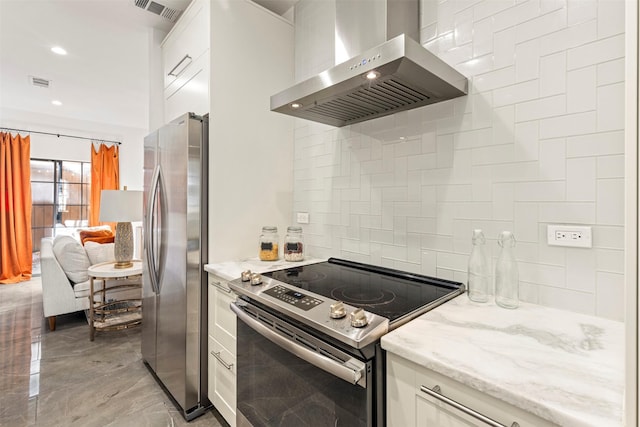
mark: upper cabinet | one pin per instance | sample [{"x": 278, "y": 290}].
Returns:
[{"x": 185, "y": 60}]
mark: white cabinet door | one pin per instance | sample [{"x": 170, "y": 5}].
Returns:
[
  {"x": 190, "y": 91},
  {"x": 189, "y": 38},
  {"x": 185, "y": 56}
]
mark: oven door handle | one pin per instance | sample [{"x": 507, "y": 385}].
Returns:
[{"x": 352, "y": 371}]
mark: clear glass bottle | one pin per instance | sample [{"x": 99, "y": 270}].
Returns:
[
  {"x": 269, "y": 243},
  {"x": 478, "y": 269},
  {"x": 293, "y": 244},
  {"x": 507, "y": 279}
]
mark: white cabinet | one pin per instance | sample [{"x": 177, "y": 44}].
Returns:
[
  {"x": 222, "y": 349},
  {"x": 409, "y": 405},
  {"x": 189, "y": 91},
  {"x": 185, "y": 59}
]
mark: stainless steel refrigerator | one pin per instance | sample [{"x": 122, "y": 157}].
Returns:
[{"x": 174, "y": 296}]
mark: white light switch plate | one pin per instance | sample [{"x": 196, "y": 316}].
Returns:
[
  {"x": 576, "y": 236},
  {"x": 303, "y": 218}
]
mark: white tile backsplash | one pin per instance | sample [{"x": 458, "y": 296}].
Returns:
[
  {"x": 596, "y": 144},
  {"x": 527, "y": 60},
  {"x": 581, "y": 90},
  {"x": 569, "y": 37},
  {"x": 598, "y": 51},
  {"x": 611, "y": 72},
  {"x": 610, "y": 18},
  {"x": 610, "y": 295},
  {"x": 552, "y": 161},
  {"x": 541, "y": 191},
  {"x": 553, "y": 74},
  {"x": 581, "y": 179},
  {"x": 539, "y": 140},
  {"x": 581, "y": 10},
  {"x": 541, "y": 108},
  {"x": 610, "y": 166},
  {"x": 610, "y": 114},
  {"x": 568, "y": 125},
  {"x": 581, "y": 269},
  {"x": 610, "y": 195},
  {"x": 608, "y": 288}
]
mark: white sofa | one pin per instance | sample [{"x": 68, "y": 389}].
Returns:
[{"x": 64, "y": 291}]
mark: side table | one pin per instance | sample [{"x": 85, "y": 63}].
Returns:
[{"x": 114, "y": 314}]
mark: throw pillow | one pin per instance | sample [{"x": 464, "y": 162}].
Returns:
[
  {"x": 72, "y": 258},
  {"x": 98, "y": 253},
  {"x": 99, "y": 236}
]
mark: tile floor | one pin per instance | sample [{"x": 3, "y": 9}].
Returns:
[{"x": 62, "y": 379}]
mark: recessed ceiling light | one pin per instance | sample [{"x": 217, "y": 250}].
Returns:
[
  {"x": 296, "y": 105},
  {"x": 58, "y": 50},
  {"x": 56, "y": 102}
]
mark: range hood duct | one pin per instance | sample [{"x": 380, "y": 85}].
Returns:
[{"x": 407, "y": 75}]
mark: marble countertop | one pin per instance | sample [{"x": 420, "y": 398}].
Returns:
[
  {"x": 230, "y": 270},
  {"x": 564, "y": 367}
]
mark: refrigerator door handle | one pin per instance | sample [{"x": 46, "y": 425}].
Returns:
[
  {"x": 151, "y": 232},
  {"x": 148, "y": 232}
]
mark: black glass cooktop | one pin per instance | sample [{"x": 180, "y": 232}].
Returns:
[{"x": 386, "y": 292}]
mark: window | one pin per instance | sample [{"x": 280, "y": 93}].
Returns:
[{"x": 60, "y": 197}]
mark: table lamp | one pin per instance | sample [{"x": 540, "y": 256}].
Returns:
[{"x": 121, "y": 207}]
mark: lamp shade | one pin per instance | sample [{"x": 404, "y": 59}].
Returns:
[{"x": 120, "y": 206}]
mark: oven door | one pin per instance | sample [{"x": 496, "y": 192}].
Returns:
[{"x": 287, "y": 377}]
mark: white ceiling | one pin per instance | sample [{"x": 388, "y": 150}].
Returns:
[{"x": 104, "y": 76}]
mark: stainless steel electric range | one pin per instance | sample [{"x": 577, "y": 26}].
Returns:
[{"x": 308, "y": 340}]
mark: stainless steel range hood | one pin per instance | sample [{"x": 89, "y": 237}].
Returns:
[{"x": 397, "y": 75}]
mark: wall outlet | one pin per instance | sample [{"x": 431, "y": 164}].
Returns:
[
  {"x": 303, "y": 218},
  {"x": 569, "y": 235}
]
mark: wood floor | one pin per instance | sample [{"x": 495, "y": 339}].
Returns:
[{"x": 62, "y": 379}]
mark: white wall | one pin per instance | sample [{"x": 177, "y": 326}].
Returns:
[{"x": 538, "y": 140}]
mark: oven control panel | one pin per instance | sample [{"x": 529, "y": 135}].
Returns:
[{"x": 295, "y": 298}]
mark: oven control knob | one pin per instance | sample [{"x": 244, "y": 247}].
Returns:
[
  {"x": 359, "y": 318},
  {"x": 256, "y": 279},
  {"x": 337, "y": 310},
  {"x": 245, "y": 276}
]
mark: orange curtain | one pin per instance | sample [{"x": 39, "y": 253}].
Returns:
[
  {"x": 105, "y": 175},
  {"x": 15, "y": 208}
]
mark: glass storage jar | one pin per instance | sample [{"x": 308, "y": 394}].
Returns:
[
  {"x": 507, "y": 277},
  {"x": 269, "y": 243},
  {"x": 293, "y": 244}
]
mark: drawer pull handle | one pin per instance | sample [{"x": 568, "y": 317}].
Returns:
[
  {"x": 217, "y": 355},
  {"x": 436, "y": 393},
  {"x": 221, "y": 287},
  {"x": 172, "y": 73}
]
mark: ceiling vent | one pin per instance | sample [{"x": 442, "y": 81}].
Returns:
[
  {"x": 159, "y": 9},
  {"x": 39, "y": 82}
]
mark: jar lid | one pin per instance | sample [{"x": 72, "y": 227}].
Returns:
[
  {"x": 294, "y": 229},
  {"x": 269, "y": 228}
]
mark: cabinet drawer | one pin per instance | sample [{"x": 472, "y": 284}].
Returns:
[
  {"x": 439, "y": 413},
  {"x": 222, "y": 381},
  {"x": 222, "y": 321},
  {"x": 409, "y": 405},
  {"x": 188, "y": 38}
]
